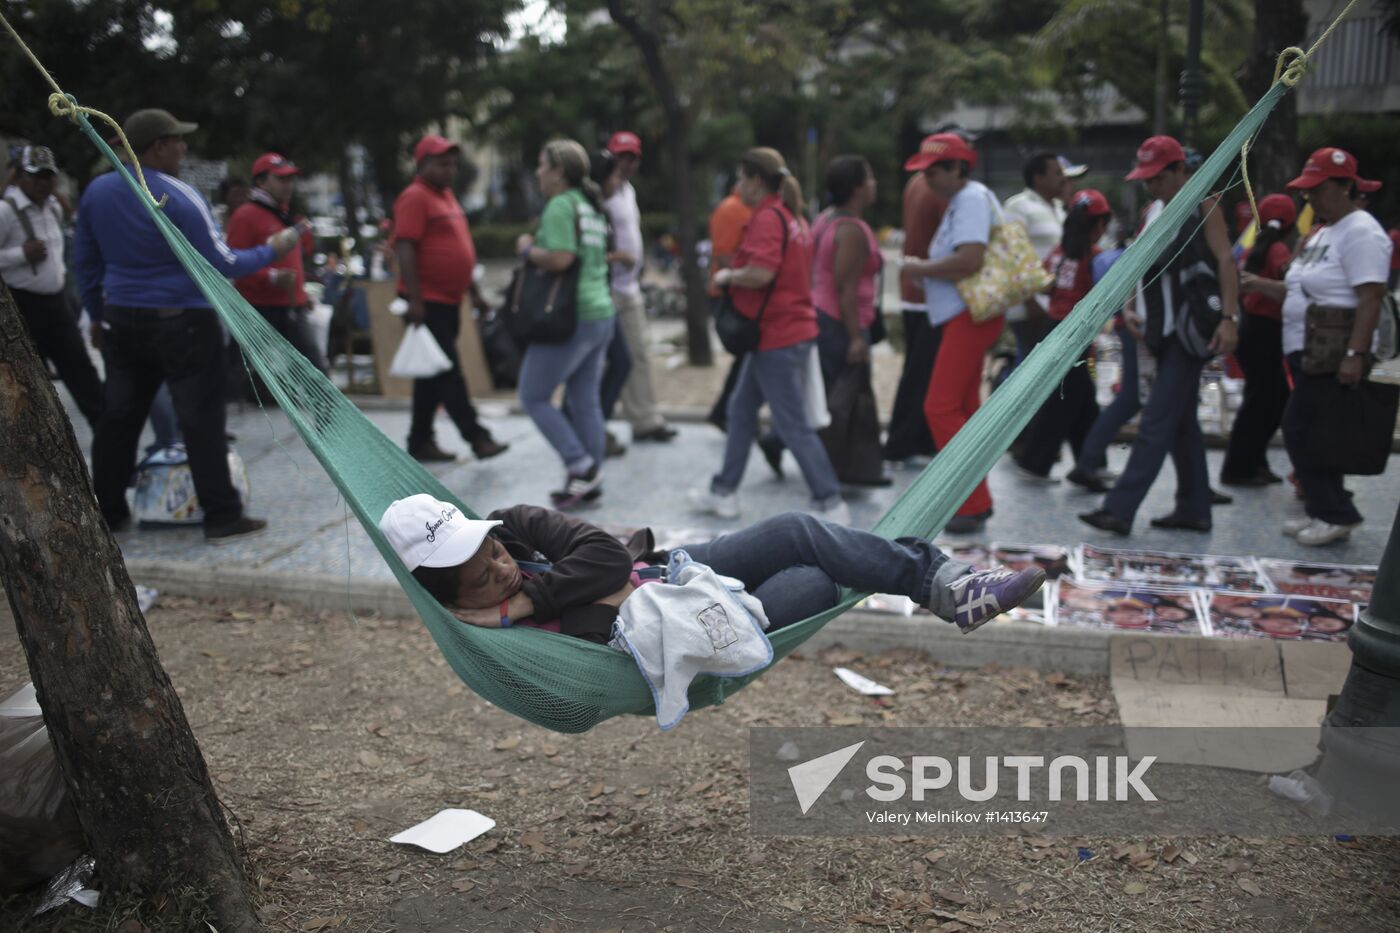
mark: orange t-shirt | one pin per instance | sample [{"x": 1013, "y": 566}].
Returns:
[{"x": 726, "y": 231}]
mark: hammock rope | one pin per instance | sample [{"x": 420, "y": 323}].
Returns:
[{"x": 564, "y": 683}]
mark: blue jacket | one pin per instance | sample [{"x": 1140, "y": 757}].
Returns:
[{"x": 121, "y": 258}]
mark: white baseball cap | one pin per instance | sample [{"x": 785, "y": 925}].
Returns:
[{"x": 427, "y": 532}]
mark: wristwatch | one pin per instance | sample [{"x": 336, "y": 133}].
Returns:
[{"x": 1353, "y": 352}]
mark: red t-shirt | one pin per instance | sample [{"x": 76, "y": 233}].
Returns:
[
  {"x": 1073, "y": 279},
  {"x": 1395, "y": 249},
  {"x": 788, "y": 318},
  {"x": 249, "y": 226},
  {"x": 923, "y": 212},
  {"x": 1254, "y": 303},
  {"x": 432, "y": 218}
]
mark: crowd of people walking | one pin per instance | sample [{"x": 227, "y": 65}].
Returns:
[{"x": 1299, "y": 315}]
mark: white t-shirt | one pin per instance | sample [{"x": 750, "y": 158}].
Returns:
[
  {"x": 1044, "y": 220},
  {"x": 1332, "y": 263},
  {"x": 626, "y": 220},
  {"x": 969, "y": 218}
]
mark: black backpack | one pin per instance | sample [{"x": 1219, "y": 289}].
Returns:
[{"x": 1190, "y": 267}]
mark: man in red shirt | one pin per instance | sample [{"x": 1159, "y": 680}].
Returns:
[
  {"x": 909, "y": 434},
  {"x": 276, "y": 291},
  {"x": 436, "y": 258}
]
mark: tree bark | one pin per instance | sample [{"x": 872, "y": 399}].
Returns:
[
  {"x": 133, "y": 769},
  {"x": 648, "y": 42},
  {"x": 1273, "y": 157}
]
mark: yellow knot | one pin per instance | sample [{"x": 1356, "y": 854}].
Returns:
[
  {"x": 61, "y": 105},
  {"x": 1291, "y": 65}
]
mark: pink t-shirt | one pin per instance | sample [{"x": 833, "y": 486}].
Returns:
[{"x": 824, "y": 268}]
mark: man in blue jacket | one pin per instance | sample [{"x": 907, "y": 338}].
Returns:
[{"x": 156, "y": 326}]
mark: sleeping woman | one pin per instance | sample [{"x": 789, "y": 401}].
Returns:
[{"x": 536, "y": 566}]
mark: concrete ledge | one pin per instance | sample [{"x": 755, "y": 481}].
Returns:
[{"x": 1018, "y": 644}]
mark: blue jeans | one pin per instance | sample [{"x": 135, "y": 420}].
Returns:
[
  {"x": 795, "y": 564},
  {"x": 1169, "y": 425},
  {"x": 577, "y": 364},
  {"x": 1093, "y": 454},
  {"x": 775, "y": 377}
]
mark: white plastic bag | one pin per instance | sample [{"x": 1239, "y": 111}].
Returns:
[
  {"x": 419, "y": 356},
  {"x": 814, "y": 392},
  {"x": 39, "y": 831}
]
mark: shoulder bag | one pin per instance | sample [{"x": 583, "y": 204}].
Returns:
[
  {"x": 739, "y": 333},
  {"x": 1011, "y": 272},
  {"x": 543, "y": 305}
]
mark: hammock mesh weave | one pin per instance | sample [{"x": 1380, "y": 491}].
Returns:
[{"x": 567, "y": 684}]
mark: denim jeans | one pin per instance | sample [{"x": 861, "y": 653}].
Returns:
[
  {"x": 184, "y": 349},
  {"x": 577, "y": 364},
  {"x": 833, "y": 343},
  {"x": 1093, "y": 455},
  {"x": 1169, "y": 425},
  {"x": 795, "y": 564},
  {"x": 775, "y": 377},
  {"x": 617, "y": 371}
]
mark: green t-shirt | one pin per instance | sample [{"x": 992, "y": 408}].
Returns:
[{"x": 557, "y": 233}]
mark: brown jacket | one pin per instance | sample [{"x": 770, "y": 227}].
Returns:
[{"x": 588, "y": 564}]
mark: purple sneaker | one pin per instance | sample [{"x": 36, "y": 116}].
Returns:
[{"x": 982, "y": 595}]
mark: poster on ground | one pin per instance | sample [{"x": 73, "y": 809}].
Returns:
[
  {"x": 1329, "y": 581},
  {"x": 1165, "y": 568},
  {"x": 1117, "y": 607},
  {"x": 1278, "y": 616}
]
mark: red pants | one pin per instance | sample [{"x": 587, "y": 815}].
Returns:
[{"x": 955, "y": 389}]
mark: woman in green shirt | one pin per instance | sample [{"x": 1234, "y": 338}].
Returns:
[{"x": 572, "y": 229}]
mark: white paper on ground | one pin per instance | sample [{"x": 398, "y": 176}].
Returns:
[
  {"x": 446, "y": 830},
  {"x": 87, "y": 897},
  {"x": 146, "y": 598},
  {"x": 862, "y": 684}
]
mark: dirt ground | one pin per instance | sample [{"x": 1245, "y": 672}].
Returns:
[{"x": 326, "y": 736}]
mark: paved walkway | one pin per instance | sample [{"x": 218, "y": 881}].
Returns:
[{"x": 309, "y": 532}]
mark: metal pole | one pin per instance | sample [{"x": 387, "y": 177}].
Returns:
[{"x": 1191, "y": 76}]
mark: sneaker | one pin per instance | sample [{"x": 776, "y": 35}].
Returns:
[
  {"x": 661, "y": 434},
  {"x": 1035, "y": 479},
  {"x": 967, "y": 524},
  {"x": 578, "y": 488},
  {"x": 834, "y": 510},
  {"x": 430, "y": 453},
  {"x": 1091, "y": 482},
  {"x": 1294, "y": 525},
  {"x": 719, "y": 504},
  {"x": 772, "y": 448},
  {"x": 1320, "y": 532},
  {"x": 245, "y": 527},
  {"x": 982, "y": 595},
  {"x": 486, "y": 447}
]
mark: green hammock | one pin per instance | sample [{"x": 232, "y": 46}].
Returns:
[{"x": 567, "y": 684}]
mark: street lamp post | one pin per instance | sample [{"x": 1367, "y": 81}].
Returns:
[{"x": 1191, "y": 75}]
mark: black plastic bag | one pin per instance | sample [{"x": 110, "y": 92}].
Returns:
[
  {"x": 39, "y": 831},
  {"x": 1352, "y": 430},
  {"x": 853, "y": 438},
  {"x": 503, "y": 353}
]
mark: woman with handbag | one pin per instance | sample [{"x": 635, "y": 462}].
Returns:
[
  {"x": 957, "y": 252},
  {"x": 572, "y": 243},
  {"x": 1070, "y": 411},
  {"x": 768, "y": 305},
  {"x": 1331, "y": 304},
  {"x": 1260, "y": 352}
]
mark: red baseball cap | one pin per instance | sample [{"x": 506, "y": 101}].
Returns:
[
  {"x": 941, "y": 147},
  {"x": 1093, "y": 201},
  {"x": 276, "y": 164},
  {"x": 433, "y": 145},
  {"x": 1155, "y": 154},
  {"x": 1331, "y": 162},
  {"x": 625, "y": 141},
  {"x": 1277, "y": 207}
]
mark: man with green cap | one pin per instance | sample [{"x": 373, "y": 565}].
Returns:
[{"x": 156, "y": 324}]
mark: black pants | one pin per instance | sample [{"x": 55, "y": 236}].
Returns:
[
  {"x": 909, "y": 434},
  {"x": 57, "y": 339},
  {"x": 1260, "y": 355},
  {"x": 1067, "y": 415},
  {"x": 448, "y": 389},
  {"x": 292, "y": 325},
  {"x": 1325, "y": 494},
  {"x": 144, "y": 347}
]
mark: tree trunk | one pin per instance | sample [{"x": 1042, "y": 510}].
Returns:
[
  {"x": 135, "y": 773},
  {"x": 648, "y": 42},
  {"x": 1273, "y": 157},
  {"x": 1160, "y": 90}
]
